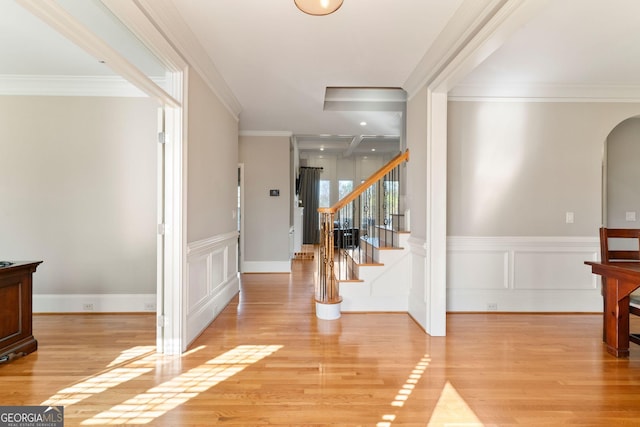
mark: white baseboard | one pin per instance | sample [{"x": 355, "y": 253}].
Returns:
[{"x": 94, "y": 303}]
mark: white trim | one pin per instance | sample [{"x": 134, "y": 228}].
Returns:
[
  {"x": 472, "y": 35},
  {"x": 502, "y": 92},
  {"x": 436, "y": 196},
  {"x": 102, "y": 303},
  {"x": 200, "y": 247},
  {"x": 265, "y": 133},
  {"x": 135, "y": 19},
  {"x": 178, "y": 33},
  {"x": 545, "y": 99},
  {"x": 241, "y": 243},
  {"x": 175, "y": 232},
  {"x": 60, "y": 20},
  {"x": 417, "y": 246},
  {"x": 68, "y": 86},
  {"x": 521, "y": 242},
  {"x": 267, "y": 267}
]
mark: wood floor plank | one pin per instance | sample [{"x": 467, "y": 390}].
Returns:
[{"x": 267, "y": 360}]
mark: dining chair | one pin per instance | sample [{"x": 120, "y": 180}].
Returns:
[{"x": 625, "y": 247}]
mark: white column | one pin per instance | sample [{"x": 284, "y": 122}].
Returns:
[{"x": 436, "y": 215}]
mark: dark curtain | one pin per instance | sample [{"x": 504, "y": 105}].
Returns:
[{"x": 309, "y": 189}]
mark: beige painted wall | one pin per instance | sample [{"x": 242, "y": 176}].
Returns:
[
  {"x": 515, "y": 169},
  {"x": 78, "y": 191},
  {"x": 212, "y": 146},
  {"x": 266, "y": 218}
]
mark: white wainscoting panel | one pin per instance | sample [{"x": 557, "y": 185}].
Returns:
[
  {"x": 417, "y": 296},
  {"x": 482, "y": 270},
  {"x": 198, "y": 269},
  {"x": 561, "y": 270},
  {"x": 532, "y": 274},
  {"x": 212, "y": 280}
]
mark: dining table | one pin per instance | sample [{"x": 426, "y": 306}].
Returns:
[{"x": 621, "y": 279}]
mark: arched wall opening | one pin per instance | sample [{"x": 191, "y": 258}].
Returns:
[{"x": 621, "y": 176}]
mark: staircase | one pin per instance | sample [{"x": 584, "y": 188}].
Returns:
[
  {"x": 379, "y": 283},
  {"x": 364, "y": 257}
]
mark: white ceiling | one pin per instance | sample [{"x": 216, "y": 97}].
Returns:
[{"x": 278, "y": 61}]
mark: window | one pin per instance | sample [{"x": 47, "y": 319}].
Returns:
[
  {"x": 324, "y": 195},
  {"x": 344, "y": 187}
]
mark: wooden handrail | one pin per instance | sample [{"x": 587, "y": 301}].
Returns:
[{"x": 393, "y": 163}]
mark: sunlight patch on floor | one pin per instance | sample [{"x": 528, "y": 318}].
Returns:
[
  {"x": 157, "y": 401},
  {"x": 118, "y": 373},
  {"x": 132, "y": 353},
  {"x": 403, "y": 394},
  {"x": 452, "y": 411}
]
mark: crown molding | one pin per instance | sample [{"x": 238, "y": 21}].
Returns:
[
  {"x": 546, "y": 93},
  {"x": 265, "y": 133},
  {"x": 113, "y": 86},
  {"x": 170, "y": 23},
  {"x": 60, "y": 20},
  {"x": 474, "y": 32}
]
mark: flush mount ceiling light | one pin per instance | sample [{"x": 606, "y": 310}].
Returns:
[{"x": 318, "y": 7}]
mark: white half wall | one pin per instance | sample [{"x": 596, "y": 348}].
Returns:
[
  {"x": 522, "y": 274},
  {"x": 212, "y": 280}
]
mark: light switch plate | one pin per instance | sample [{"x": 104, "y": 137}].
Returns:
[
  {"x": 630, "y": 216},
  {"x": 569, "y": 217}
]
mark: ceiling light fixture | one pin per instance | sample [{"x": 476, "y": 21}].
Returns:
[
  {"x": 318, "y": 7},
  {"x": 363, "y": 123}
]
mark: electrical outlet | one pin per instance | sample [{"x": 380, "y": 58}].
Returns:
[
  {"x": 492, "y": 306},
  {"x": 149, "y": 306},
  {"x": 87, "y": 307}
]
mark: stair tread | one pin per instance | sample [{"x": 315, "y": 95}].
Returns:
[{"x": 354, "y": 254}]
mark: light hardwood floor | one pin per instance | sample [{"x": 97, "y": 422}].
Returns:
[{"x": 267, "y": 360}]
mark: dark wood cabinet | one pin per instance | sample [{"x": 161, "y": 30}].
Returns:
[{"x": 16, "y": 334}]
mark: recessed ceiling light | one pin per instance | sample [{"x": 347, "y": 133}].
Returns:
[
  {"x": 363, "y": 123},
  {"x": 321, "y": 148},
  {"x": 373, "y": 149}
]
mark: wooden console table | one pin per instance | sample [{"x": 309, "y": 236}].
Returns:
[
  {"x": 16, "y": 334},
  {"x": 622, "y": 278}
]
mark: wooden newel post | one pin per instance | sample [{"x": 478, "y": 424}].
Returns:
[{"x": 327, "y": 294}]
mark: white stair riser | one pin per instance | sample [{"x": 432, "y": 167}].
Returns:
[{"x": 382, "y": 287}]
